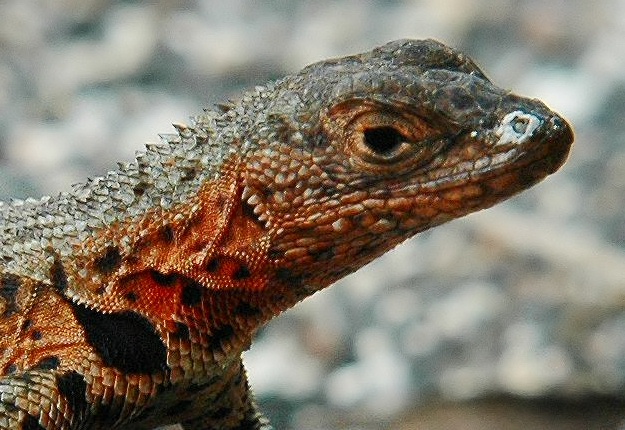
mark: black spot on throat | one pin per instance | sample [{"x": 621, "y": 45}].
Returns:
[
  {"x": 131, "y": 296},
  {"x": 26, "y": 325},
  {"x": 124, "y": 340},
  {"x": 213, "y": 265}
]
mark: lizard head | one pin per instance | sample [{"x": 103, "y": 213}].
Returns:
[{"x": 377, "y": 147}]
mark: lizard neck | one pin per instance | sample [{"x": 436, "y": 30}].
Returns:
[{"x": 200, "y": 274}]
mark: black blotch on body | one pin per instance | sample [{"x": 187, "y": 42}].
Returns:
[
  {"x": 220, "y": 336},
  {"x": 10, "y": 407},
  {"x": 58, "y": 275},
  {"x": 243, "y": 272},
  {"x": 323, "y": 254},
  {"x": 26, "y": 378},
  {"x": 189, "y": 173},
  {"x": 191, "y": 293},
  {"x": 197, "y": 388},
  {"x": 213, "y": 265},
  {"x": 9, "y": 287},
  {"x": 124, "y": 340},
  {"x": 459, "y": 99},
  {"x": 287, "y": 276},
  {"x": 249, "y": 423},
  {"x": 247, "y": 310},
  {"x": 131, "y": 296},
  {"x": 163, "y": 279},
  {"x": 167, "y": 233},
  {"x": 248, "y": 212},
  {"x": 36, "y": 335},
  {"x": 31, "y": 423},
  {"x": 178, "y": 408},
  {"x": 73, "y": 388},
  {"x": 182, "y": 331},
  {"x": 148, "y": 411},
  {"x": 221, "y": 413},
  {"x": 51, "y": 362},
  {"x": 27, "y": 324},
  {"x": 110, "y": 261}
]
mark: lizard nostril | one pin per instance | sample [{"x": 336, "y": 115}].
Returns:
[
  {"x": 519, "y": 125},
  {"x": 516, "y": 128}
]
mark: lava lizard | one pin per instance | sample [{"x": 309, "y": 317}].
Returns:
[{"x": 127, "y": 302}]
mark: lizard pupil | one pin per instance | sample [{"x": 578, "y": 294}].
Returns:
[{"x": 383, "y": 140}]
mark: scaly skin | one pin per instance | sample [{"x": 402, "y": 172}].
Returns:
[{"x": 126, "y": 303}]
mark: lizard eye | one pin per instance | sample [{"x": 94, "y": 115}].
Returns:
[{"x": 383, "y": 140}]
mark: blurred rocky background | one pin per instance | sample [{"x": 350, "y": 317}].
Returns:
[{"x": 510, "y": 318}]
